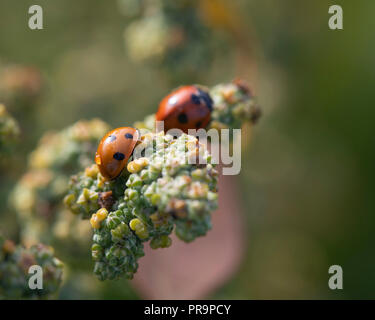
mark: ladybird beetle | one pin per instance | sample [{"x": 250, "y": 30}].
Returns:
[
  {"x": 114, "y": 151},
  {"x": 188, "y": 107}
]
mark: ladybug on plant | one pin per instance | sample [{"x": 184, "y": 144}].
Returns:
[
  {"x": 114, "y": 151},
  {"x": 188, "y": 107}
]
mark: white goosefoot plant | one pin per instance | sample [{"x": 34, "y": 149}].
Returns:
[{"x": 160, "y": 192}]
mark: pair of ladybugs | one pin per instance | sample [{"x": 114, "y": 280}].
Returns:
[{"x": 188, "y": 107}]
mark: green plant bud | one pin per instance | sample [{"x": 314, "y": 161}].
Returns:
[
  {"x": 156, "y": 166},
  {"x": 144, "y": 175},
  {"x": 139, "y": 228},
  {"x": 69, "y": 199},
  {"x": 97, "y": 252},
  {"x": 161, "y": 242},
  {"x": 120, "y": 232},
  {"x": 149, "y": 191},
  {"x": 132, "y": 194},
  {"x": 112, "y": 221},
  {"x": 134, "y": 181},
  {"x": 155, "y": 199},
  {"x": 102, "y": 238},
  {"x": 153, "y": 175}
]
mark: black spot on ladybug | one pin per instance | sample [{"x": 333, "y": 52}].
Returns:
[
  {"x": 198, "y": 124},
  {"x": 206, "y": 98},
  {"x": 128, "y": 136},
  {"x": 195, "y": 99},
  {"x": 182, "y": 118},
  {"x": 119, "y": 156},
  {"x": 111, "y": 138},
  {"x": 209, "y": 105}
]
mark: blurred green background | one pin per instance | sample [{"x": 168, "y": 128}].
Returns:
[{"x": 307, "y": 177}]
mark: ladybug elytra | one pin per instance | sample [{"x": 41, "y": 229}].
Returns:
[
  {"x": 188, "y": 107},
  {"x": 114, "y": 151}
]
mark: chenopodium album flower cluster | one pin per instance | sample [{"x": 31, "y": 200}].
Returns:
[
  {"x": 37, "y": 198},
  {"x": 15, "y": 262},
  {"x": 159, "y": 192},
  {"x": 234, "y": 105},
  {"x": 162, "y": 190}
]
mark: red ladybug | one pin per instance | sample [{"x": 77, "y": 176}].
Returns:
[
  {"x": 188, "y": 107},
  {"x": 114, "y": 151}
]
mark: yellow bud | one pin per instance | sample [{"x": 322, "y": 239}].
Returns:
[
  {"x": 92, "y": 171},
  {"x": 102, "y": 214},
  {"x": 133, "y": 167},
  {"x": 81, "y": 199},
  {"x": 137, "y": 165},
  {"x": 134, "y": 223},
  {"x": 94, "y": 221},
  {"x": 98, "y": 217},
  {"x": 139, "y": 228},
  {"x": 69, "y": 199},
  {"x": 86, "y": 193},
  {"x": 142, "y": 161}
]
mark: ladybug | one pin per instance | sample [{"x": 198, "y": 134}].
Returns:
[
  {"x": 114, "y": 151},
  {"x": 188, "y": 107}
]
